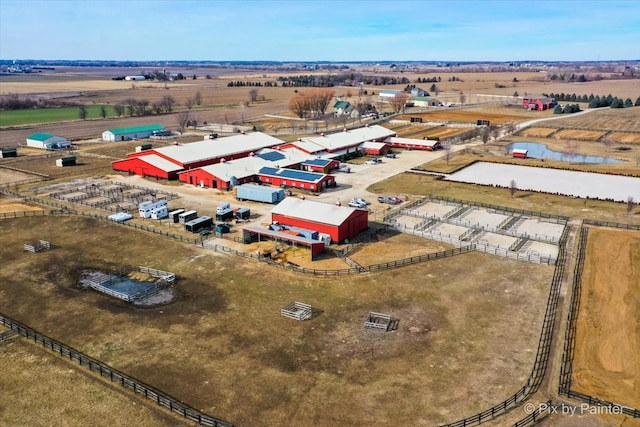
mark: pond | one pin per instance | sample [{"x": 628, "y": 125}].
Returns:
[{"x": 540, "y": 151}]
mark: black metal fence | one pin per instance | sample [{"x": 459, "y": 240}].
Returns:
[
  {"x": 535, "y": 416},
  {"x": 161, "y": 398},
  {"x": 542, "y": 356},
  {"x": 566, "y": 368},
  {"x": 611, "y": 224}
]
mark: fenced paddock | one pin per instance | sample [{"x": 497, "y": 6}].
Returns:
[
  {"x": 161, "y": 398},
  {"x": 297, "y": 311},
  {"x": 380, "y": 321},
  {"x": 37, "y": 246},
  {"x": 109, "y": 195},
  {"x": 119, "y": 286}
]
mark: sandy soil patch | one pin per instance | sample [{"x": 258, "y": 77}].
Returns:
[{"x": 607, "y": 347}]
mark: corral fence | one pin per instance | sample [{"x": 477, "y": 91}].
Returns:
[
  {"x": 611, "y": 224},
  {"x": 22, "y": 214},
  {"x": 566, "y": 367},
  {"x": 536, "y": 416},
  {"x": 542, "y": 355},
  {"x": 161, "y": 398},
  {"x": 37, "y": 246},
  {"x": 297, "y": 311}
]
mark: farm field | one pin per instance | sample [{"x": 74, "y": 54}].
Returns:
[
  {"x": 49, "y": 115},
  {"x": 54, "y": 382},
  {"x": 537, "y": 132},
  {"x": 240, "y": 360},
  {"x": 607, "y": 354}
]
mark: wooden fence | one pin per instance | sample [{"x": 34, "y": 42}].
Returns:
[
  {"x": 566, "y": 368},
  {"x": 297, "y": 311},
  {"x": 161, "y": 398},
  {"x": 542, "y": 355}
]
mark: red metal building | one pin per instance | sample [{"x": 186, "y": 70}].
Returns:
[
  {"x": 340, "y": 222},
  {"x": 538, "y": 103},
  {"x": 295, "y": 178}
]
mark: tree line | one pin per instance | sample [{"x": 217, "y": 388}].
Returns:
[{"x": 596, "y": 101}]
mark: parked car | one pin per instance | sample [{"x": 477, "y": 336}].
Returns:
[
  {"x": 391, "y": 155},
  {"x": 392, "y": 200},
  {"x": 356, "y": 204},
  {"x": 373, "y": 161},
  {"x": 361, "y": 200}
]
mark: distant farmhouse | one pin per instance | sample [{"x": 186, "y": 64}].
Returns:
[
  {"x": 126, "y": 134},
  {"x": 538, "y": 103},
  {"x": 344, "y": 108},
  {"x": 47, "y": 141}
]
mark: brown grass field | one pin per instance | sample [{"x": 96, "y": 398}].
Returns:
[
  {"x": 607, "y": 347},
  {"x": 222, "y": 345},
  {"x": 579, "y": 135}
]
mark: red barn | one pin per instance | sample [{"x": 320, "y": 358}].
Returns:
[
  {"x": 340, "y": 222},
  {"x": 375, "y": 148},
  {"x": 414, "y": 144},
  {"x": 295, "y": 178},
  {"x": 538, "y": 103},
  {"x": 149, "y": 165},
  {"x": 520, "y": 153},
  {"x": 194, "y": 154}
]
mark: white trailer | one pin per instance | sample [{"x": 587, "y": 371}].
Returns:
[{"x": 155, "y": 210}]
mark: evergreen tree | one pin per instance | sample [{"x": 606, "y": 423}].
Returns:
[
  {"x": 616, "y": 103},
  {"x": 557, "y": 109},
  {"x": 628, "y": 103},
  {"x": 637, "y": 104}
]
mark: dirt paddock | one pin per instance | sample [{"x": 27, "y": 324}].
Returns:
[{"x": 607, "y": 348}]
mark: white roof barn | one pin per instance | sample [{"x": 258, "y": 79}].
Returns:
[{"x": 324, "y": 213}]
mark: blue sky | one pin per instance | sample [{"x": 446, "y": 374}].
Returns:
[{"x": 316, "y": 30}]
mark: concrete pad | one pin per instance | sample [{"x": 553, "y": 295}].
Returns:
[
  {"x": 433, "y": 209},
  {"x": 534, "y": 228},
  {"x": 407, "y": 221},
  {"x": 498, "y": 240},
  {"x": 542, "y": 249},
  {"x": 455, "y": 231},
  {"x": 483, "y": 218}
]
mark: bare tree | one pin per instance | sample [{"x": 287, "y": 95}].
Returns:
[
  {"x": 399, "y": 102},
  {"x": 131, "y": 103},
  {"x": 118, "y": 109},
  {"x": 631, "y": 205},
  {"x": 572, "y": 148},
  {"x": 495, "y": 131},
  {"x": 486, "y": 134},
  {"x": 513, "y": 187},
  {"x": 190, "y": 103},
  {"x": 300, "y": 105},
  {"x": 463, "y": 98},
  {"x": 198, "y": 98},
  {"x": 253, "y": 95},
  {"x": 82, "y": 111},
  {"x": 103, "y": 111},
  {"x": 182, "y": 118},
  {"x": 168, "y": 102},
  {"x": 447, "y": 146}
]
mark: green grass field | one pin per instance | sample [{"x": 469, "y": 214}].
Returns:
[{"x": 49, "y": 115}]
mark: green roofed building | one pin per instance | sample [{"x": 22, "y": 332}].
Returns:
[
  {"x": 47, "y": 141},
  {"x": 136, "y": 132}
]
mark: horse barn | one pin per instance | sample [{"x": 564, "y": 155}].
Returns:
[
  {"x": 340, "y": 143},
  {"x": 47, "y": 141},
  {"x": 230, "y": 173},
  {"x": 127, "y": 134},
  {"x": 538, "y": 103},
  {"x": 166, "y": 162},
  {"x": 376, "y": 148},
  {"x": 320, "y": 165},
  {"x": 414, "y": 144},
  {"x": 341, "y": 223},
  {"x": 295, "y": 178}
]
